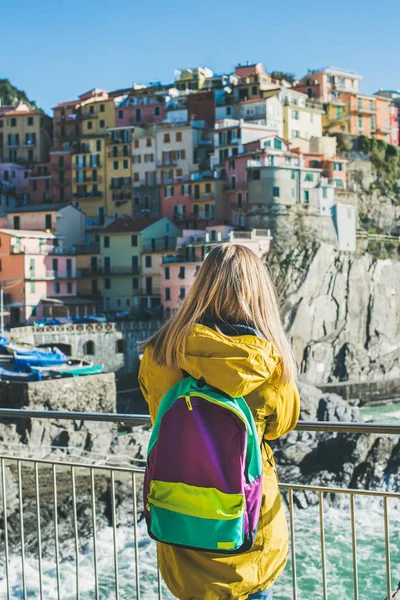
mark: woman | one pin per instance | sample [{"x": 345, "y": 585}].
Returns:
[{"x": 228, "y": 331}]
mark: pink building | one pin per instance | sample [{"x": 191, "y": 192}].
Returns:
[
  {"x": 38, "y": 277},
  {"x": 142, "y": 107},
  {"x": 39, "y": 184},
  {"x": 15, "y": 178},
  {"x": 61, "y": 175},
  {"x": 179, "y": 270}
]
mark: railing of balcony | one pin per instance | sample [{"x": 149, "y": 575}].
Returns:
[{"x": 37, "y": 492}]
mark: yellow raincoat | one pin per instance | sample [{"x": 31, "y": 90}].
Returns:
[{"x": 248, "y": 366}]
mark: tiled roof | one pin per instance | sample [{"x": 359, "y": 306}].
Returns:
[
  {"x": 69, "y": 103},
  {"x": 129, "y": 225}
]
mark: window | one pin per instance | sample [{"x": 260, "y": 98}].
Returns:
[
  {"x": 102, "y": 108},
  {"x": 240, "y": 200},
  {"x": 182, "y": 293},
  {"x": 276, "y": 192},
  {"x": 293, "y": 174},
  {"x": 306, "y": 196},
  {"x": 102, "y": 123},
  {"x": 34, "y": 186},
  {"x": 89, "y": 348},
  {"x": 156, "y": 111},
  {"x": 295, "y": 115},
  {"x": 325, "y": 193},
  {"x": 277, "y": 144},
  {"x": 134, "y": 240},
  {"x": 13, "y": 122},
  {"x": 178, "y": 136},
  {"x": 296, "y": 133},
  {"x": 338, "y": 166},
  {"x": 1, "y": 265},
  {"x": 359, "y": 103},
  {"x": 69, "y": 287},
  {"x": 309, "y": 177},
  {"x": 167, "y": 138},
  {"x": 167, "y": 294},
  {"x": 181, "y": 273},
  {"x": 372, "y": 123},
  {"x": 233, "y": 182},
  {"x": 136, "y": 144},
  {"x": 371, "y": 105},
  {"x": 115, "y": 165},
  {"x": 254, "y": 90},
  {"x": 90, "y": 125},
  {"x": 47, "y": 222},
  {"x": 56, "y": 287},
  {"x": 120, "y": 115},
  {"x": 16, "y": 222},
  {"x": 232, "y": 165},
  {"x": 148, "y": 142},
  {"x": 166, "y": 273},
  {"x": 30, "y": 121},
  {"x": 147, "y": 261},
  {"x": 33, "y": 287},
  {"x": 107, "y": 284},
  {"x": 256, "y": 174},
  {"x": 136, "y": 177},
  {"x": 106, "y": 242},
  {"x": 360, "y": 122},
  {"x": 135, "y": 283},
  {"x": 125, "y": 164}
]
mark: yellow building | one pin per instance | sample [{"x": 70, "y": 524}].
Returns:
[
  {"x": 119, "y": 171},
  {"x": 88, "y": 272},
  {"x": 25, "y": 135},
  {"x": 89, "y": 181},
  {"x": 337, "y": 117}
]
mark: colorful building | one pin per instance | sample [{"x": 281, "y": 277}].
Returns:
[
  {"x": 127, "y": 285},
  {"x": 119, "y": 171},
  {"x": 325, "y": 85},
  {"x": 361, "y": 114},
  {"x": 61, "y": 175},
  {"x": 26, "y": 135},
  {"x": 40, "y": 184},
  {"x": 64, "y": 221},
  {"x": 179, "y": 269},
  {"x": 37, "y": 275}
]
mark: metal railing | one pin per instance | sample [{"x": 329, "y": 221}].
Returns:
[{"x": 40, "y": 489}]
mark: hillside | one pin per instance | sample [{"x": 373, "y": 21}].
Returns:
[{"x": 10, "y": 95}]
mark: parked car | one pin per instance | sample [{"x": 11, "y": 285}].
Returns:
[
  {"x": 100, "y": 318},
  {"x": 45, "y": 322}
]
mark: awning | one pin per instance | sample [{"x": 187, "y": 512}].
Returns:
[{"x": 68, "y": 301}]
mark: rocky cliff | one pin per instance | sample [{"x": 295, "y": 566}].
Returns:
[{"x": 341, "y": 310}]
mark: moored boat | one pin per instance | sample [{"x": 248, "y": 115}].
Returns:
[{"x": 71, "y": 368}]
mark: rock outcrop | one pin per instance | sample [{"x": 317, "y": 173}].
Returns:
[{"x": 341, "y": 310}]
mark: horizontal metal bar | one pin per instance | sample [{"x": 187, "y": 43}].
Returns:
[
  {"x": 335, "y": 490},
  {"x": 140, "y": 470},
  {"x": 321, "y": 426}
]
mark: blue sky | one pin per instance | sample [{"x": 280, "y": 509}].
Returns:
[{"x": 57, "y": 49}]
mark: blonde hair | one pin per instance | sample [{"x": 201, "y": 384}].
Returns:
[{"x": 232, "y": 286}]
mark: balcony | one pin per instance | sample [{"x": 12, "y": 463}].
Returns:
[
  {"x": 364, "y": 110},
  {"x": 143, "y": 292},
  {"x": 120, "y": 185},
  {"x": 50, "y": 275},
  {"x": 89, "y": 179},
  {"x": 122, "y": 196},
  {"x": 167, "y": 260},
  {"x": 202, "y": 197},
  {"x": 58, "y": 500},
  {"x": 89, "y": 115},
  {"x": 30, "y": 143},
  {"x": 13, "y": 144},
  {"x": 167, "y": 163},
  {"x": 119, "y": 153},
  {"x": 86, "y": 195},
  {"x": 56, "y": 183},
  {"x": 96, "y": 165},
  {"x": 107, "y": 271},
  {"x": 45, "y": 249}
]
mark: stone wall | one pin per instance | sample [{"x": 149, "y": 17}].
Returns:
[
  {"x": 92, "y": 393},
  {"x": 114, "y": 345}
]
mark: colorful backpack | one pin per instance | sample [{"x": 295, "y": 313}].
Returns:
[{"x": 203, "y": 479}]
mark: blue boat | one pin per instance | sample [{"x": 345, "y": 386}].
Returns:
[
  {"x": 37, "y": 358},
  {"x": 6, "y": 375}
]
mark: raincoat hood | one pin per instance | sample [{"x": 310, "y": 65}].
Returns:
[{"x": 236, "y": 365}]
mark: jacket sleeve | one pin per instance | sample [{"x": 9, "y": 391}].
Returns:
[
  {"x": 155, "y": 381},
  {"x": 284, "y": 411}
]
